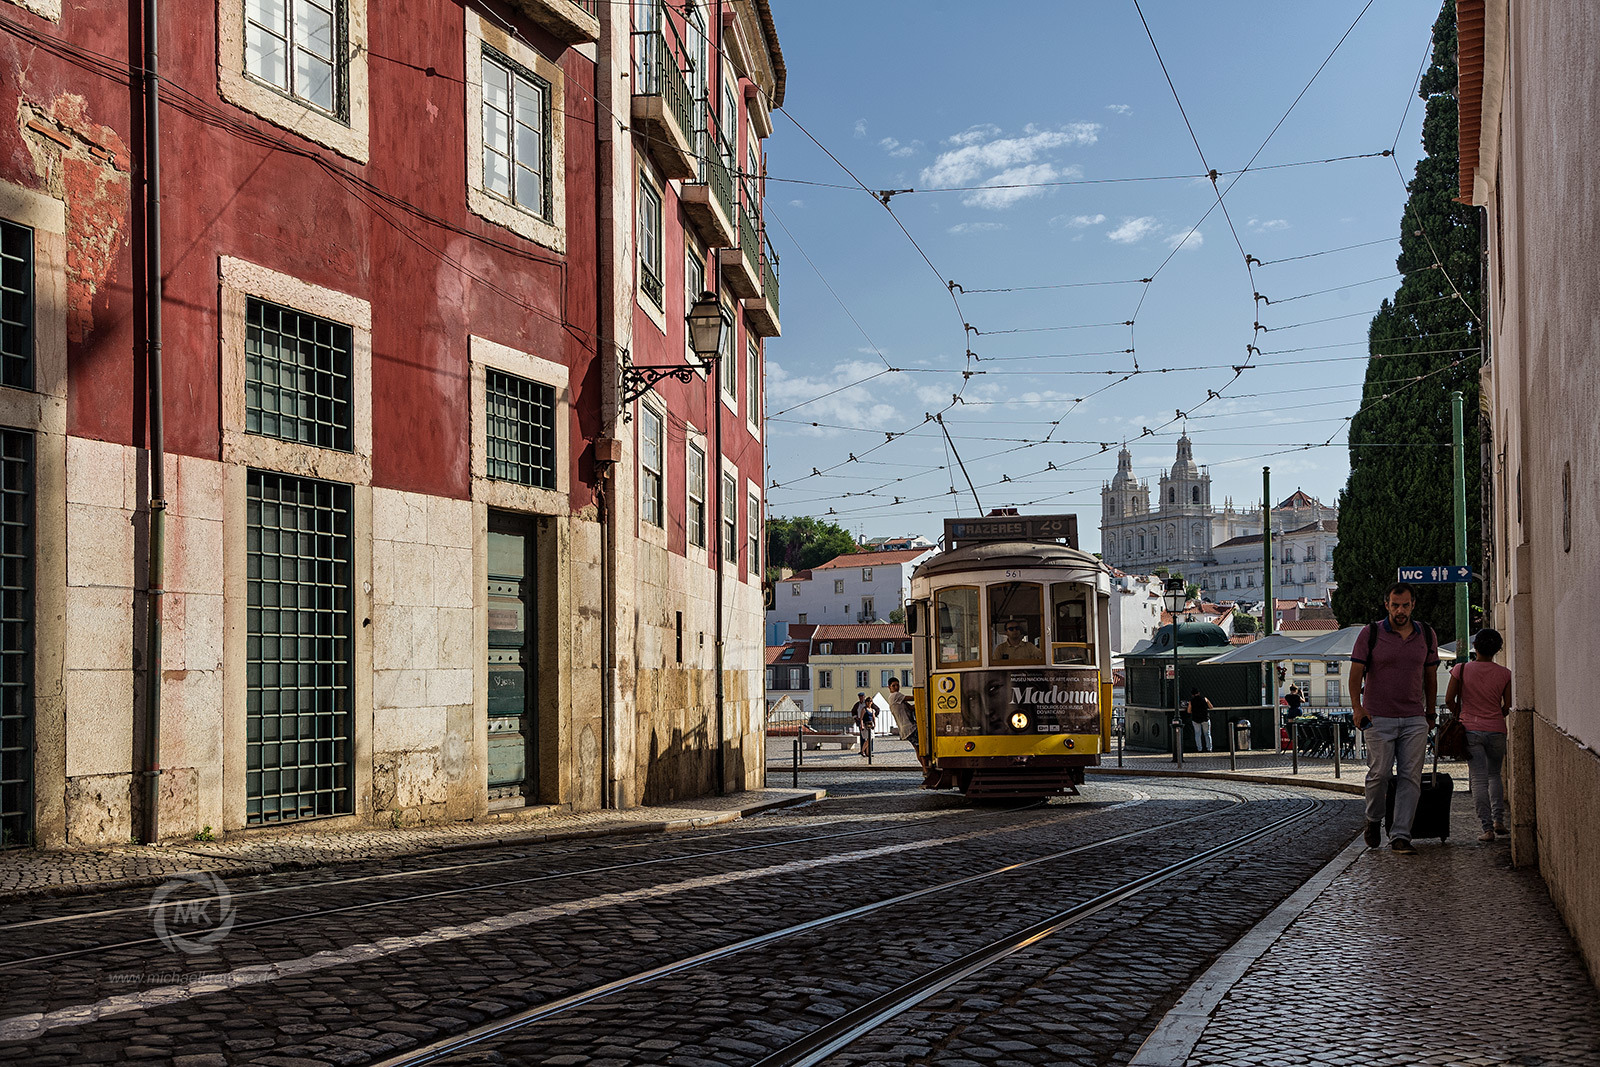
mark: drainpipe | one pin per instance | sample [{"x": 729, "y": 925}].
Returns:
[
  {"x": 155, "y": 578},
  {"x": 716, "y": 400}
]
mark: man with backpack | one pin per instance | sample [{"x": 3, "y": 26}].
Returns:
[{"x": 1394, "y": 685}]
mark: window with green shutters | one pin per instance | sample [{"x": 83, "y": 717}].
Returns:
[
  {"x": 298, "y": 722},
  {"x": 521, "y": 430},
  {"x": 297, "y": 376}
]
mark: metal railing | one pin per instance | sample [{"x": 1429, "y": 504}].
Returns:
[
  {"x": 748, "y": 246},
  {"x": 657, "y": 73},
  {"x": 769, "y": 277},
  {"x": 715, "y": 174}
]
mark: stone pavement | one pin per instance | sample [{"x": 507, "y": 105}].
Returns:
[
  {"x": 1448, "y": 957},
  {"x": 66, "y": 872}
]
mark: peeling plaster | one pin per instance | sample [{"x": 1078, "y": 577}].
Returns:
[{"x": 88, "y": 166}]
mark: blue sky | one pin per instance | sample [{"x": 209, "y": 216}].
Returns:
[{"x": 973, "y": 97}]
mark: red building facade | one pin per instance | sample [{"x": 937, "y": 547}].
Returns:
[{"x": 394, "y": 530}]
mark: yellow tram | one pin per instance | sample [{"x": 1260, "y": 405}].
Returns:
[{"x": 1012, "y": 657}]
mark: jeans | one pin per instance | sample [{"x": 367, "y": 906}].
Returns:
[
  {"x": 1485, "y": 753},
  {"x": 1391, "y": 741},
  {"x": 1202, "y": 735}
]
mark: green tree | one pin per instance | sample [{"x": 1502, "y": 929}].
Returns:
[
  {"x": 804, "y": 542},
  {"x": 1244, "y": 624},
  {"x": 1396, "y": 509}
]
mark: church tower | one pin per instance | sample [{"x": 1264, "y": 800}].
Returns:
[
  {"x": 1123, "y": 502},
  {"x": 1185, "y": 507}
]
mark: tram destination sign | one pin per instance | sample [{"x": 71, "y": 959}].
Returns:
[{"x": 959, "y": 533}]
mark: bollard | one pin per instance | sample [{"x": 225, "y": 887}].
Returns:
[
  {"x": 1177, "y": 742},
  {"x": 1338, "y": 743},
  {"x": 1294, "y": 744},
  {"x": 1122, "y": 738},
  {"x": 1233, "y": 747},
  {"x": 797, "y": 747}
]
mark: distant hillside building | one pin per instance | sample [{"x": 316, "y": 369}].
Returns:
[
  {"x": 1211, "y": 547},
  {"x": 862, "y": 587}
]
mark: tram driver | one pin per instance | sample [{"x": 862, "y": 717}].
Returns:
[{"x": 1016, "y": 646}]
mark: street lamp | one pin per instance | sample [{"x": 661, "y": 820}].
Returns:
[
  {"x": 1176, "y": 601},
  {"x": 705, "y": 326}
]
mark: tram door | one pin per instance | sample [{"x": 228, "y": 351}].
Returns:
[{"x": 513, "y": 661}]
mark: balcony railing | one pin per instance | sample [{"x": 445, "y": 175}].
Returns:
[
  {"x": 715, "y": 174},
  {"x": 769, "y": 277},
  {"x": 659, "y": 75},
  {"x": 663, "y": 109}
]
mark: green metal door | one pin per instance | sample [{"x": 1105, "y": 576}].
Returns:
[{"x": 513, "y": 660}]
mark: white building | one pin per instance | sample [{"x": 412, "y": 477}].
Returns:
[
  {"x": 1302, "y": 564},
  {"x": 860, "y": 587},
  {"x": 1135, "y": 609}
]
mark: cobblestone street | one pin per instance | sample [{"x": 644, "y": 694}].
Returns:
[{"x": 878, "y": 925}]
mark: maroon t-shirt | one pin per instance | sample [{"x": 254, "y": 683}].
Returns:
[{"x": 1392, "y": 688}]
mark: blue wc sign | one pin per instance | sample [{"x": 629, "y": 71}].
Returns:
[{"x": 1435, "y": 575}]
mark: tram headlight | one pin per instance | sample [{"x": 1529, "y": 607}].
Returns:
[
  {"x": 1071, "y": 743},
  {"x": 1019, "y": 721},
  {"x": 971, "y": 745}
]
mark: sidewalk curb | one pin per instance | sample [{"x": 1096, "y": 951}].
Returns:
[
  {"x": 1234, "y": 776},
  {"x": 788, "y": 768},
  {"x": 1180, "y": 1030},
  {"x": 247, "y": 868}
]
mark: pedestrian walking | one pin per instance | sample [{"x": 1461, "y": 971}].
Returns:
[
  {"x": 1393, "y": 689},
  {"x": 862, "y": 715},
  {"x": 904, "y": 710},
  {"x": 1200, "y": 719},
  {"x": 1479, "y": 694},
  {"x": 1294, "y": 700}
]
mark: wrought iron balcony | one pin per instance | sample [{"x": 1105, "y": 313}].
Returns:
[
  {"x": 709, "y": 201},
  {"x": 763, "y": 312},
  {"x": 742, "y": 273},
  {"x": 663, "y": 110}
]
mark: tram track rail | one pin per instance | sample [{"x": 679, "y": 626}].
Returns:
[
  {"x": 413, "y": 898},
  {"x": 861, "y": 1020}
]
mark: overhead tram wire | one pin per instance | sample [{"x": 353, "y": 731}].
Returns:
[{"x": 771, "y": 214}]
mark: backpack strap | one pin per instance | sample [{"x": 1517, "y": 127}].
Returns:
[{"x": 1372, "y": 640}]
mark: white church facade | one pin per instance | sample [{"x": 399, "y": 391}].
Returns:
[{"x": 1218, "y": 549}]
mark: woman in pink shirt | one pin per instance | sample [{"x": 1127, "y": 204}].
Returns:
[{"x": 1480, "y": 694}]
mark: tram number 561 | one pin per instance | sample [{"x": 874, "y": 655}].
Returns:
[{"x": 947, "y": 695}]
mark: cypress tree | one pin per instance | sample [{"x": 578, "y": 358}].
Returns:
[{"x": 1396, "y": 509}]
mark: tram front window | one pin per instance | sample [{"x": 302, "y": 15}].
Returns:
[
  {"x": 959, "y": 626},
  {"x": 1016, "y": 622},
  {"x": 1071, "y": 613}
]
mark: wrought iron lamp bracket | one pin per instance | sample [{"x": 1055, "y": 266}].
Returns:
[{"x": 637, "y": 381}]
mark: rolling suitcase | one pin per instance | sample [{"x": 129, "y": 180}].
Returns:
[{"x": 1433, "y": 806}]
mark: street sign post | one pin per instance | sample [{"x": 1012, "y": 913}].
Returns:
[{"x": 1435, "y": 575}]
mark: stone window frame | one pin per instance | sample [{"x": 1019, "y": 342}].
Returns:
[
  {"x": 754, "y": 369},
  {"x": 45, "y": 9},
  {"x": 728, "y": 533},
  {"x": 838, "y": 586},
  {"x": 347, "y": 137},
  {"x": 483, "y": 355},
  {"x": 728, "y": 353},
  {"x": 550, "y": 232},
  {"x": 655, "y": 307},
  {"x": 754, "y": 538},
  {"x": 239, "y": 280},
  {"x": 42, "y": 411}
]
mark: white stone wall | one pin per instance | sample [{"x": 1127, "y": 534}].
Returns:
[{"x": 423, "y": 656}]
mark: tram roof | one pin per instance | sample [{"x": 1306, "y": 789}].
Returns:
[{"x": 1012, "y": 554}]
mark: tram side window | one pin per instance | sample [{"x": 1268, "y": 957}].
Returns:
[
  {"x": 959, "y": 626},
  {"x": 1071, "y": 613},
  {"x": 1017, "y": 622}
]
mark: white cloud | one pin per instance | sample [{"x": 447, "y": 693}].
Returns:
[
  {"x": 968, "y": 163},
  {"x": 859, "y": 407},
  {"x": 1266, "y": 225},
  {"x": 976, "y": 227},
  {"x": 1132, "y": 231},
  {"x": 861, "y": 127},
  {"x": 900, "y": 151},
  {"x": 973, "y": 134},
  {"x": 999, "y": 197},
  {"x": 1185, "y": 239},
  {"x": 1120, "y": 109},
  {"x": 1077, "y": 222},
  {"x": 797, "y": 203}
]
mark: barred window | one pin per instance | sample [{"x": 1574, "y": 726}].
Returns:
[
  {"x": 521, "y": 430},
  {"x": 298, "y": 726},
  {"x": 696, "y": 519},
  {"x": 16, "y": 638},
  {"x": 292, "y": 45},
  {"x": 16, "y": 305},
  {"x": 516, "y": 134},
  {"x": 650, "y": 242},
  {"x": 297, "y": 376},
  {"x": 651, "y": 449}
]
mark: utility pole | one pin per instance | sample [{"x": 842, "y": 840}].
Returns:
[
  {"x": 1269, "y": 617},
  {"x": 1463, "y": 589}
]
